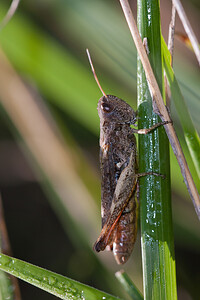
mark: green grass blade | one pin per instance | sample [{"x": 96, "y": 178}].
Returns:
[
  {"x": 58, "y": 285},
  {"x": 156, "y": 220},
  {"x": 191, "y": 135},
  {"x": 128, "y": 285},
  {"x": 6, "y": 287}
]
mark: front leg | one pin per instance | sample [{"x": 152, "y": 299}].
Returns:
[{"x": 147, "y": 130}]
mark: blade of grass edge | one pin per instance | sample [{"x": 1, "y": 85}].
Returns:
[
  {"x": 58, "y": 285},
  {"x": 190, "y": 133},
  {"x": 128, "y": 285}
]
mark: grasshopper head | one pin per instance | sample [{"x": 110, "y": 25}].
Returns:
[{"x": 114, "y": 109}]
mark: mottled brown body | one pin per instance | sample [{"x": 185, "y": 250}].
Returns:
[
  {"x": 119, "y": 174},
  {"x": 119, "y": 179}
]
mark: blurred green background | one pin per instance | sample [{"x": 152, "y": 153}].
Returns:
[{"x": 49, "y": 168}]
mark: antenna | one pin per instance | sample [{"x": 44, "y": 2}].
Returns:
[{"x": 94, "y": 73}]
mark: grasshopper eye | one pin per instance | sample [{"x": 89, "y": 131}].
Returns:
[{"x": 106, "y": 107}]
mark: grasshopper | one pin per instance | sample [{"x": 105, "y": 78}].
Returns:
[{"x": 119, "y": 175}]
